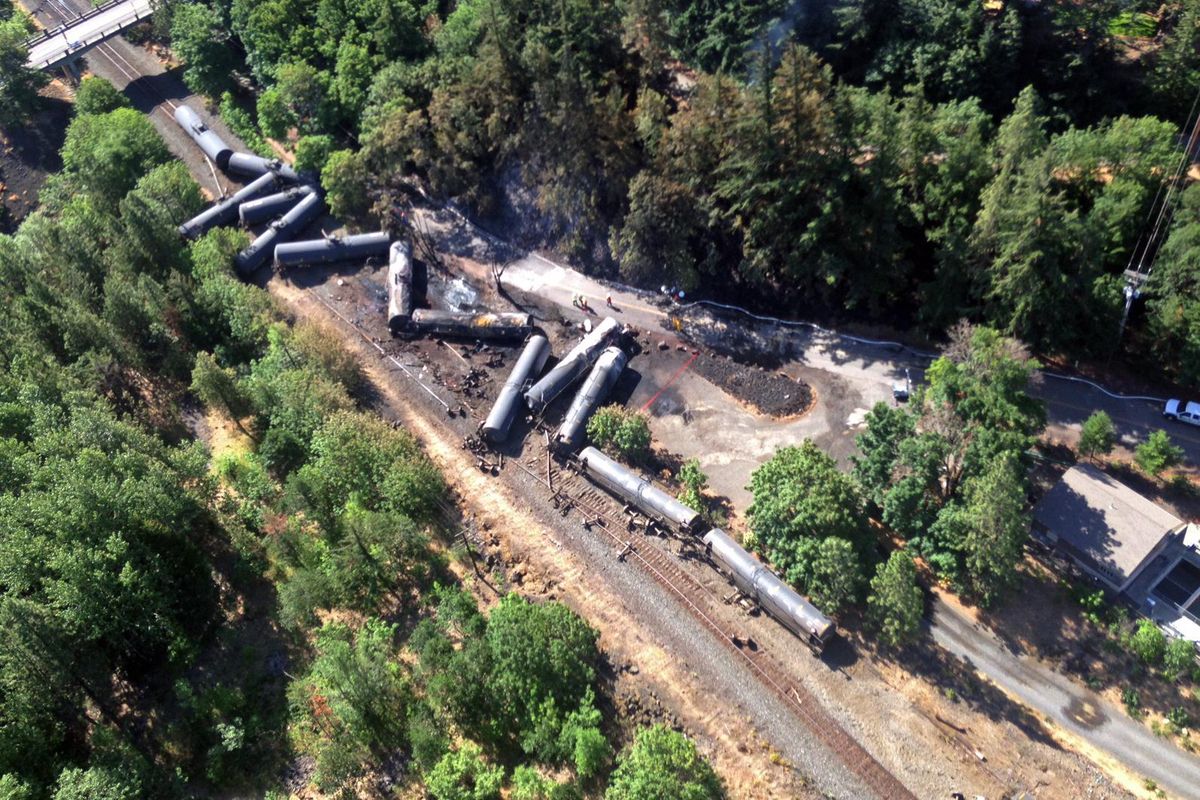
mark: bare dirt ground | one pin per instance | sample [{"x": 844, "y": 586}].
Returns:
[
  {"x": 542, "y": 565},
  {"x": 926, "y": 717},
  {"x": 890, "y": 713},
  {"x": 29, "y": 153}
]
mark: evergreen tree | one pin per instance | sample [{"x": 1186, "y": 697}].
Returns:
[{"x": 1097, "y": 436}]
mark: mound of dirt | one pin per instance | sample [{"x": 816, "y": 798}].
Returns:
[{"x": 768, "y": 392}]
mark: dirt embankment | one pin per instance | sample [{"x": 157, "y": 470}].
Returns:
[
  {"x": 649, "y": 679},
  {"x": 29, "y": 154}
]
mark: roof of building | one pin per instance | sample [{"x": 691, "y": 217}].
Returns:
[{"x": 1108, "y": 525}]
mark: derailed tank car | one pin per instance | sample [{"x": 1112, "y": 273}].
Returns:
[
  {"x": 529, "y": 364},
  {"x": 778, "y": 599},
  {"x": 572, "y": 365},
  {"x": 271, "y": 206},
  {"x": 471, "y": 325},
  {"x": 331, "y": 250},
  {"x": 210, "y": 141},
  {"x": 399, "y": 285},
  {"x": 595, "y": 388},
  {"x": 250, "y": 164},
  {"x": 282, "y": 229},
  {"x": 225, "y": 211},
  {"x": 638, "y": 491}
]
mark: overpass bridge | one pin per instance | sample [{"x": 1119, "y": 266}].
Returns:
[{"x": 61, "y": 45}]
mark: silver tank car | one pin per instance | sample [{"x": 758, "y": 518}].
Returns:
[
  {"x": 638, "y": 491},
  {"x": 226, "y": 211},
  {"x": 595, "y": 388},
  {"x": 283, "y": 229},
  {"x": 780, "y": 601},
  {"x": 530, "y": 363},
  {"x": 250, "y": 164},
  {"x": 399, "y": 285},
  {"x": 471, "y": 325},
  {"x": 572, "y": 365},
  {"x": 273, "y": 205},
  {"x": 210, "y": 142},
  {"x": 335, "y": 248}
]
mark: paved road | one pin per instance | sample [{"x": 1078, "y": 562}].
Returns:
[
  {"x": 873, "y": 367},
  {"x": 1070, "y": 705},
  {"x": 155, "y": 91},
  {"x": 78, "y": 36}
]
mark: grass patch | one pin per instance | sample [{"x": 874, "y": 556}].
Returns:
[{"x": 1133, "y": 23}]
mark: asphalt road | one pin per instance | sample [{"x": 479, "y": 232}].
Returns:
[
  {"x": 874, "y": 367},
  {"x": 1069, "y": 705}
]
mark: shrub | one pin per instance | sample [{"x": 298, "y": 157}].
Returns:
[
  {"x": 1133, "y": 702},
  {"x": 1179, "y": 659},
  {"x": 95, "y": 95},
  {"x": 465, "y": 775},
  {"x": 1148, "y": 643},
  {"x": 1157, "y": 454},
  {"x": 312, "y": 152},
  {"x": 1179, "y": 719},
  {"x": 621, "y": 432},
  {"x": 694, "y": 482}
]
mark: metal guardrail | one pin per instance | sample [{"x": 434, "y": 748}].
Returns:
[
  {"x": 47, "y": 33},
  {"x": 74, "y": 49}
]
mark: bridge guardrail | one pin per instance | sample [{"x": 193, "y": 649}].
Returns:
[{"x": 91, "y": 41}]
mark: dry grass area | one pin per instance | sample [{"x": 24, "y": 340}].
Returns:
[
  {"x": 648, "y": 677},
  {"x": 1047, "y": 623}
]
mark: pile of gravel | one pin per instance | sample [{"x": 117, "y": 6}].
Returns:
[{"x": 768, "y": 392}]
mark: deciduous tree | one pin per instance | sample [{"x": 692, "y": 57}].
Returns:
[
  {"x": 1157, "y": 453},
  {"x": 896, "y": 603},
  {"x": 663, "y": 763},
  {"x": 1098, "y": 436}
]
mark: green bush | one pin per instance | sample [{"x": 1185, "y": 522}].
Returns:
[
  {"x": 1133, "y": 702},
  {"x": 95, "y": 95},
  {"x": 620, "y": 432},
  {"x": 465, "y": 775},
  {"x": 1148, "y": 643},
  {"x": 1157, "y": 454},
  {"x": 312, "y": 152},
  {"x": 1133, "y": 23},
  {"x": 1179, "y": 659}
]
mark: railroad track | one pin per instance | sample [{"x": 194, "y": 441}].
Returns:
[
  {"x": 159, "y": 102},
  {"x": 569, "y": 491},
  {"x": 572, "y": 492}
]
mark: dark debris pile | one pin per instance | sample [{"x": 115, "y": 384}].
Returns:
[{"x": 767, "y": 391}]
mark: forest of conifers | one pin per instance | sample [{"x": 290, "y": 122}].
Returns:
[
  {"x": 221, "y": 572},
  {"x": 906, "y": 162},
  {"x": 173, "y": 623}
]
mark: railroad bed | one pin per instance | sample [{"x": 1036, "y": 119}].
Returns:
[{"x": 570, "y": 493}]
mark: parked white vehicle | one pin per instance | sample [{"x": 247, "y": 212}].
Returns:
[{"x": 1184, "y": 412}]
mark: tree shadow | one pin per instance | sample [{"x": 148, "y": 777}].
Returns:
[{"x": 957, "y": 680}]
